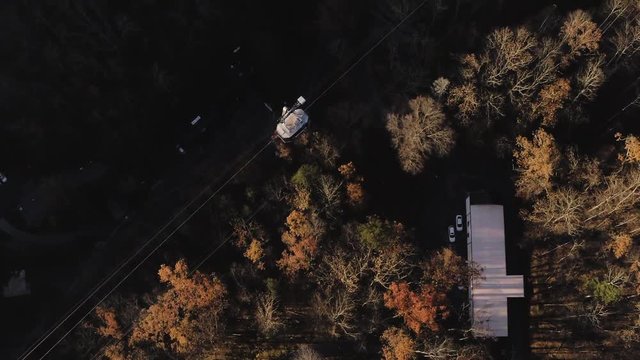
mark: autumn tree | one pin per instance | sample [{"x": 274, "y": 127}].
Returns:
[
  {"x": 631, "y": 147},
  {"x": 301, "y": 239},
  {"x": 537, "y": 160},
  {"x": 418, "y": 310},
  {"x": 465, "y": 100},
  {"x": 304, "y": 181},
  {"x": 192, "y": 300},
  {"x": 580, "y": 33},
  {"x": 445, "y": 269},
  {"x": 619, "y": 245},
  {"x": 397, "y": 345},
  {"x": 110, "y": 325},
  {"x": 250, "y": 237},
  {"x": 354, "y": 190},
  {"x": 109, "y": 318},
  {"x": 551, "y": 100},
  {"x": 420, "y": 133}
]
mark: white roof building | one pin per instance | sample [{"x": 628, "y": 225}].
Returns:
[
  {"x": 292, "y": 124},
  {"x": 488, "y": 292}
]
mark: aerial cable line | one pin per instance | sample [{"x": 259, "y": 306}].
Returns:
[
  {"x": 96, "y": 289},
  {"x": 80, "y": 302},
  {"x": 29, "y": 352},
  {"x": 383, "y": 38},
  {"x": 191, "y": 272},
  {"x": 115, "y": 341},
  {"x": 99, "y": 286},
  {"x": 166, "y": 238}
]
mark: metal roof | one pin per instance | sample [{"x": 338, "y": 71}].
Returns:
[{"x": 489, "y": 292}]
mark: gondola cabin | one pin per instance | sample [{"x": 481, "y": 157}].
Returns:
[{"x": 292, "y": 122}]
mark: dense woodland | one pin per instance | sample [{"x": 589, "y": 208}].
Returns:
[{"x": 310, "y": 267}]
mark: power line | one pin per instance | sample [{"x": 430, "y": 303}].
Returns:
[
  {"x": 81, "y": 302},
  {"x": 106, "y": 280},
  {"x": 39, "y": 343},
  {"x": 193, "y": 270},
  {"x": 29, "y": 352},
  {"x": 392, "y": 30}
]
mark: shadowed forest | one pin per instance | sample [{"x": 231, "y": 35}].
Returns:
[{"x": 333, "y": 246}]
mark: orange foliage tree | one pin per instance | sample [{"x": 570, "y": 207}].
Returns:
[
  {"x": 251, "y": 237},
  {"x": 552, "y": 98},
  {"x": 397, "y": 345},
  {"x": 255, "y": 253},
  {"x": 301, "y": 238},
  {"x": 620, "y": 244},
  {"x": 181, "y": 309},
  {"x": 111, "y": 326},
  {"x": 355, "y": 191},
  {"x": 631, "y": 147},
  {"x": 417, "y": 309}
]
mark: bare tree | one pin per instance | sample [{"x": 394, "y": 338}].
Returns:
[
  {"x": 507, "y": 51},
  {"x": 324, "y": 148},
  {"x": 589, "y": 79},
  {"x": 614, "y": 10},
  {"x": 465, "y": 100},
  {"x": 560, "y": 212},
  {"x": 621, "y": 193},
  {"x": 338, "y": 309},
  {"x": 330, "y": 195},
  {"x": 306, "y": 352},
  {"x": 266, "y": 314},
  {"x": 345, "y": 268},
  {"x": 420, "y": 133},
  {"x": 439, "y": 87},
  {"x": 583, "y": 172},
  {"x": 626, "y": 40},
  {"x": 391, "y": 264}
]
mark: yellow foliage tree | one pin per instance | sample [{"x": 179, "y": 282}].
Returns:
[
  {"x": 537, "y": 160},
  {"x": 397, "y": 345}
]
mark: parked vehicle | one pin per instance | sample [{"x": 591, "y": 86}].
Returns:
[
  {"x": 459, "y": 225},
  {"x": 452, "y": 234}
]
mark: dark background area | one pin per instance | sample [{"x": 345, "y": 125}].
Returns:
[{"x": 110, "y": 86}]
